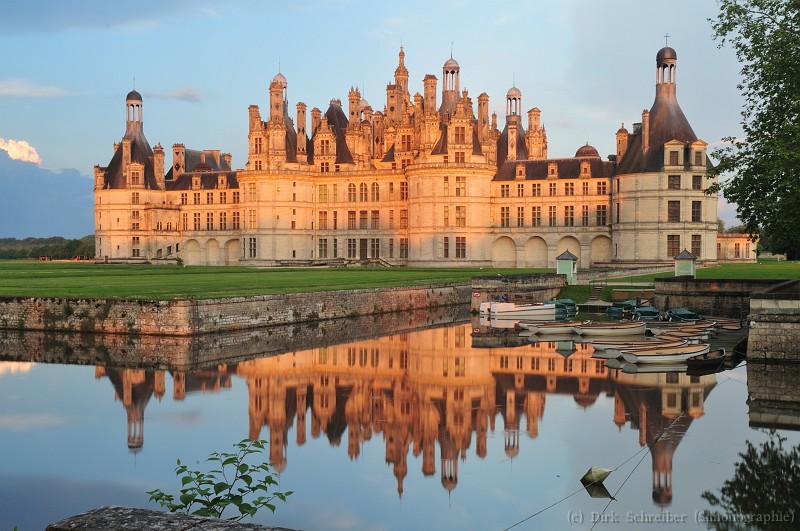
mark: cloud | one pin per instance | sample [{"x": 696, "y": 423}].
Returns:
[
  {"x": 21, "y": 87},
  {"x": 20, "y": 150},
  {"x": 190, "y": 94},
  {"x": 29, "y": 421}
]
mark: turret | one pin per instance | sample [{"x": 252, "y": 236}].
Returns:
[
  {"x": 158, "y": 165},
  {"x": 429, "y": 104},
  {"x": 483, "y": 118},
  {"x": 301, "y": 132},
  {"x": 622, "y": 142}
]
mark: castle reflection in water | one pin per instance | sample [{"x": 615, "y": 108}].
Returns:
[{"x": 429, "y": 388}]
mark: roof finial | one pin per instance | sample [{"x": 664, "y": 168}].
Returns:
[
  {"x": 451, "y": 49},
  {"x": 134, "y": 82},
  {"x": 279, "y": 63},
  {"x": 666, "y": 39}
]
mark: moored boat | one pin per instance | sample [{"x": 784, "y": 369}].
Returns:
[
  {"x": 622, "y": 328},
  {"x": 666, "y": 354},
  {"x": 711, "y": 358},
  {"x": 512, "y": 310},
  {"x": 551, "y": 327}
]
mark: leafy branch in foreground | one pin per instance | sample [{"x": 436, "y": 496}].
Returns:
[{"x": 233, "y": 483}]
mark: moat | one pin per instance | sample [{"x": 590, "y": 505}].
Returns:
[{"x": 430, "y": 425}]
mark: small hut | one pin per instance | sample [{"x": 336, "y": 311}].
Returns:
[
  {"x": 685, "y": 264},
  {"x": 567, "y": 264}
]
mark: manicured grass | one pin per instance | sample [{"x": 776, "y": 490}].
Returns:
[
  {"x": 765, "y": 269},
  {"x": 605, "y": 294},
  {"x": 70, "y": 279},
  {"x": 579, "y": 294}
]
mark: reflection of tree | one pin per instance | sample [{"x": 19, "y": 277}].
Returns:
[{"x": 764, "y": 490}]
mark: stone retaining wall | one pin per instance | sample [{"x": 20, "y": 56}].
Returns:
[
  {"x": 723, "y": 298},
  {"x": 775, "y": 324},
  {"x": 773, "y": 394},
  {"x": 183, "y": 317}
]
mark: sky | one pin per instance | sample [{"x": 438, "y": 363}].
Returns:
[{"x": 67, "y": 67}]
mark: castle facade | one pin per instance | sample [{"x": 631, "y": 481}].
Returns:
[{"x": 426, "y": 181}]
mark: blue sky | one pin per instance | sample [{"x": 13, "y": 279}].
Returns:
[{"x": 589, "y": 66}]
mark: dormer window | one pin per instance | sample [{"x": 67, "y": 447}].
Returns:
[
  {"x": 552, "y": 170},
  {"x": 195, "y": 182}
]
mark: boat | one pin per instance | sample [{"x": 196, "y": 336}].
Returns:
[
  {"x": 551, "y": 327},
  {"x": 596, "y": 474},
  {"x": 712, "y": 358},
  {"x": 512, "y": 310},
  {"x": 568, "y": 304},
  {"x": 682, "y": 314},
  {"x": 621, "y": 328},
  {"x": 619, "y": 308},
  {"x": 602, "y": 345},
  {"x": 662, "y": 327},
  {"x": 689, "y": 335},
  {"x": 646, "y": 313},
  {"x": 665, "y": 354},
  {"x": 642, "y": 368}
]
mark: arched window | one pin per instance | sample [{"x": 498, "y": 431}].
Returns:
[
  {"x": 351, "y": 192},
  {"x": 362, "y": 192},
  {"x": 376, "y": 192}
]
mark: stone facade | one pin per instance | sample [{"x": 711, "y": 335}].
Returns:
[
  {"x": 722, "y": 298},
  {"x": 426, "y": 181},
  {"x": 736, "y": 248},
  {"x": 774, "y": 396},
  {"x": 181, "y": 317}
]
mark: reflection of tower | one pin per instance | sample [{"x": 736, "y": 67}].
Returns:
[
  {"x": 662, "y": 406},
  {"x": 133, "y": 387},
  {"x": 511, "y": 433},
  {"x": 449, "y": 469}
]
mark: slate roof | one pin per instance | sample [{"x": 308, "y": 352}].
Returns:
[
  {"x": 337, "y": 120},
  {"x": 140, "y": 152},
  {"x": 208, "y": 180},
  {"x": 567, "y": 168}
]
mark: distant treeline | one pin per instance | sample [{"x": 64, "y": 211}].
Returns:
[{"x": 55, "y": 247}]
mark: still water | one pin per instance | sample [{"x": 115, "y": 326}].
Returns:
[{"x": 429, "y": 424}]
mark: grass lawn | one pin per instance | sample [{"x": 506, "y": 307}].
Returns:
[
  {"x": 71, "y": 279},
  {"x": 765, "y": 269}
]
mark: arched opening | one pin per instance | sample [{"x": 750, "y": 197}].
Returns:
[
  {"x": 535, "y": 252},
  {"x": 504, "y": 252},
  {"x": 571, "y": 244},
  {"x": 232, "y": 252},
  {"x": 600, "y": 250},
  {"x": 212, "y": 252},
  {"x": 192, "y": 253}
]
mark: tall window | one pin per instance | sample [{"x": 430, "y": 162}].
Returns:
[
  {"x": 461, "y": 216},
  {"x": 445, "y": 186},
  {"x": 553, "y": 188},
  {"x": 520, "y": 216},
  {"x": 196, "y": 198},
  {"x": 404, "y": 191},
  {"x": 504, "y": 216},
  {"x": 403, "y": 247},
  {"x": 461, "y": 247},
  {"x": 461, "y": 186},
  {"x": 585, "y": 188},
  {"x": 323, "y": 193},
  {"x": 602, "y": 214},
  {"x": 446, "y": 247},
  {"x": 375, "y": 220},
  {"x": 697, "y": 182},
  {"x": 223, "y": 221},
  {"x": 351, "y": 247},
  {"x": 569, "y": 216},
  {"x": 235, "y": 197},
  {"x": 223, "y": 198},
  {"x": 252, "y": 219},
  {"x": 375, "y": 192},
  {"x": 405, "y": 142},
  {"x": 209, "y": 221},
  {"x": 520, "y": 190},
  {"x": 585, "y": 215},
  {"x": 197, "y": 221},
  {"x": 185, "y": 221},
  {"x": 374, "y": 248},
  {"x": 134, "y": 198},
  {"x": 673, "y": 158},
  {"x": 461, "y": 135},
  {"x": 184, "y": 198},
  {"x": 335, "y": 221},
  {"x": 536, "y": 190},
  {"x": 362, "y": 192},
  {"x": 569, "y": 188},
  {"x": 323, "y": 248},
  {"x": 251, "y": 191},
  {"x": 404, "y": 219},
  {"x": 674, "y": 182},
  {"x": 446, "y": 220},
  {"x": 351, "y": 192},
  {"x": 698, "y": 158},
  {"x": 602, "y": 188},
  {"x": 209, "y": 198},
  {"x": 673, "y": 245},
  {"x": 323, "y": 220},
  {"x": 697, "y": 244},
  {"x": 235, "y": 222},
  {"x": 362, "y": 219},
  {"x": 251, "y": 246},
  {"x": 697, "y": 211},
  {"x": 504, "y": 190},
  {"x": 673, "y": 211},
  {"x": 551, "y": 216},
  {"x": 536, "y": 216}
]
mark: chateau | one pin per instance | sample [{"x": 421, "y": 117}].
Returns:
[{"x": 424, "y": 182}]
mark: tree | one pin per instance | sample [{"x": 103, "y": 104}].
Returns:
[{"x": 765, "y": 184}]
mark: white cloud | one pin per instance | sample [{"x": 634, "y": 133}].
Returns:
[
  {"x": 189, "y": 94},
  {"x": 20, "y": 150},
  {"x": 28, "y": 422},
  {"x": 21, "y": 87}
]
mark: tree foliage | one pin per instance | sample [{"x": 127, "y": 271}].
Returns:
[
  {"x": 765, "y": 184},
  {"x": 55, "y": 247},
  {"x": 247, "y": 487},
  {"x": 764, "y": 491}
]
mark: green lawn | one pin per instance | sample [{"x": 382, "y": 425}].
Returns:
[
  {"x": 766, "y": 269},
  {"x": 69, "y": 279}
]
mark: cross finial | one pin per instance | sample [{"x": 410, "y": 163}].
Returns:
[{"x": 666, "y": 39}]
